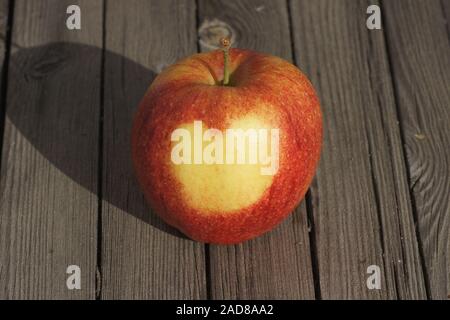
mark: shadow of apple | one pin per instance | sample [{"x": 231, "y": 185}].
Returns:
[{"x": 54, "y": 100}]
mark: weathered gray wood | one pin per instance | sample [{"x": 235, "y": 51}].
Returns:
[
  {"x": 48, "y": 211},
  {"x": 446, "y": 8},
  {"x": 361, "y": 203},
  {"x": 278, "y": 264},
  {"x": 142, "y": 258},
  {"x": 418, "y": 38},
  {"x": 4, "y": 12},
  {"x": 4, "y": 6}
]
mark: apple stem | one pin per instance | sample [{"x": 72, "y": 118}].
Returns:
[{"x": 225, "y": 44}]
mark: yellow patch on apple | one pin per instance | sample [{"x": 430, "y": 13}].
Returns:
[{"x": 222, "y": 172}]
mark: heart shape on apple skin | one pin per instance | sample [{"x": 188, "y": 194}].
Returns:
[{"x": 227, "y": 203}]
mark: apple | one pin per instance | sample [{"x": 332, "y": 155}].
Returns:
[{"x": 226, "y": 143}]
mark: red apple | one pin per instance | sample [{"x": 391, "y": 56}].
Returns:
[{"x": 200, "y": 192}]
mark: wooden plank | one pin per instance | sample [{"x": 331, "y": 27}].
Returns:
[
  {"x": 48, "y": 207},
  {"x": 446, "y": 8},
  {"x": 142, "y": 258},
  {"x": 418, "y": 39},
  {"x": 278, "y": 264},
  {"x": 361, "y": 202},
  {"x": 4, "y": 21}
]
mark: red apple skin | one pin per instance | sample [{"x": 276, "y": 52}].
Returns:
[{"x": 190, "y": 90}]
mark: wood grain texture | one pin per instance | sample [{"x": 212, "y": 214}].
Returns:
[
  {"x": 361, "y": 204},
  {"x": 445, "y": 4},
  {"x": 48, "y": 211},
  {"x": 142, "y": 258},
  {"x": 278, "y": 264},
  {"x": 418, "y": 40},
  {"x": 4, "y": 12},
  {"x": 4, "y": 21}
]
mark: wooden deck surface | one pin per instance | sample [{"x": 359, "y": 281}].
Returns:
[{"x": 68, "y": 195}]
